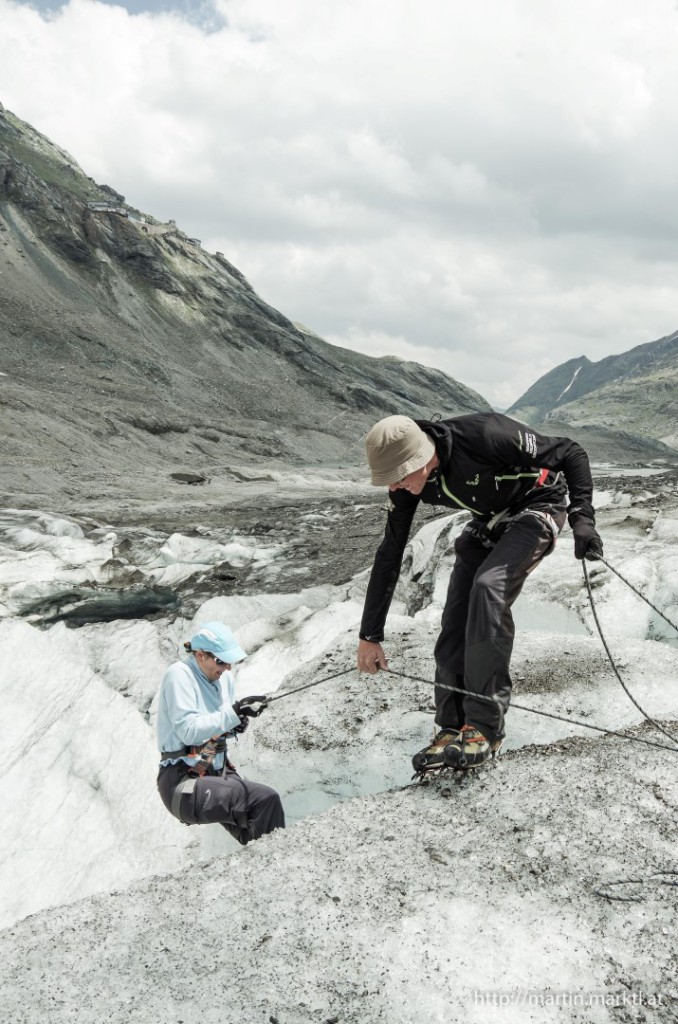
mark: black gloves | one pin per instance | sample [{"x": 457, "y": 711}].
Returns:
[
  {"x": 248, "y": 707},
  {"x": 587, "y": 542},
  {"x": 245, "y": 707}
]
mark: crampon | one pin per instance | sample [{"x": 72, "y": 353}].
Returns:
[{"x": 454, "y": 751}]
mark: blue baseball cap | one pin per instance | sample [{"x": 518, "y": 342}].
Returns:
[{"x": 218, "y": 639}]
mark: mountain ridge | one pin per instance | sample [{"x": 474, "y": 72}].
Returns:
[
  {"x": 634, "y": 392},
  {"x": 126, "y": 349},
  {"x": 133, "y": 362}
]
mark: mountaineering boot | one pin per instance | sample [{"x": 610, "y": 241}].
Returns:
[
  {"x": 431, "y": 757},
  {"x": 469, "y": 749}
]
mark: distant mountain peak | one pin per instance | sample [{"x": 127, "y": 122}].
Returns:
[{"x": 635, "y": 392}]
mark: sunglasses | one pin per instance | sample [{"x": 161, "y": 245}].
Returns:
[{"x": 217, "y": 661}]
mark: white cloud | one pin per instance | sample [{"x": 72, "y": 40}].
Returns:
[{"x": 491, "y": 186}]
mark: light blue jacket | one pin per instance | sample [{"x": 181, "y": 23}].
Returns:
[{"x": 191, "y": 708}]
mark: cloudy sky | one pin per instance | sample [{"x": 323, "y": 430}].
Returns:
[{"x": 490, "y": 188}]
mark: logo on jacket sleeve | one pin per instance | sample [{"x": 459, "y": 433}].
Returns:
[{"x": 528, "y": 442}]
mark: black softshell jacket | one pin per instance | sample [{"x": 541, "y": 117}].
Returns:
[{"x": 489, "y": 464}]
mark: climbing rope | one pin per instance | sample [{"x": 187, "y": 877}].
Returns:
[
  {"x": 535, "y": 711},
  {"x": 307, "y": 686},
  {"x": 657, "y": 878},
  {"x": 477, "y": 696},
  {"x": 611, "y": 659},
  {"x": 608, "y": 890},
  {"x": 636, "y": 591}
]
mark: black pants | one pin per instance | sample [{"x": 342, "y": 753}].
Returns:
[
  {"x": 474, "y": 648},
  {"x": 248, "y": 810}
]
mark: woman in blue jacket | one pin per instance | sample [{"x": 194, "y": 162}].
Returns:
[{"x": 196, "y": 714}]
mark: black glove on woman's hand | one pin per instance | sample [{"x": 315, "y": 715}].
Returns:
[
  {"x": 587, "y": 542},
  {"x": 245, "y": 707}
]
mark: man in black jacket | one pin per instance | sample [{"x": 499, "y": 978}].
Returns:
[{"x": 515, "y": 483}]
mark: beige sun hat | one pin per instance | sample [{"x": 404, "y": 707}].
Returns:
[{"x": 395, "y": 447}]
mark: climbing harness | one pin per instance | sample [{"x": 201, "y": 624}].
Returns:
[
  {"x": 205, "y": 752},
  {"x": 483, "y": 530}
]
